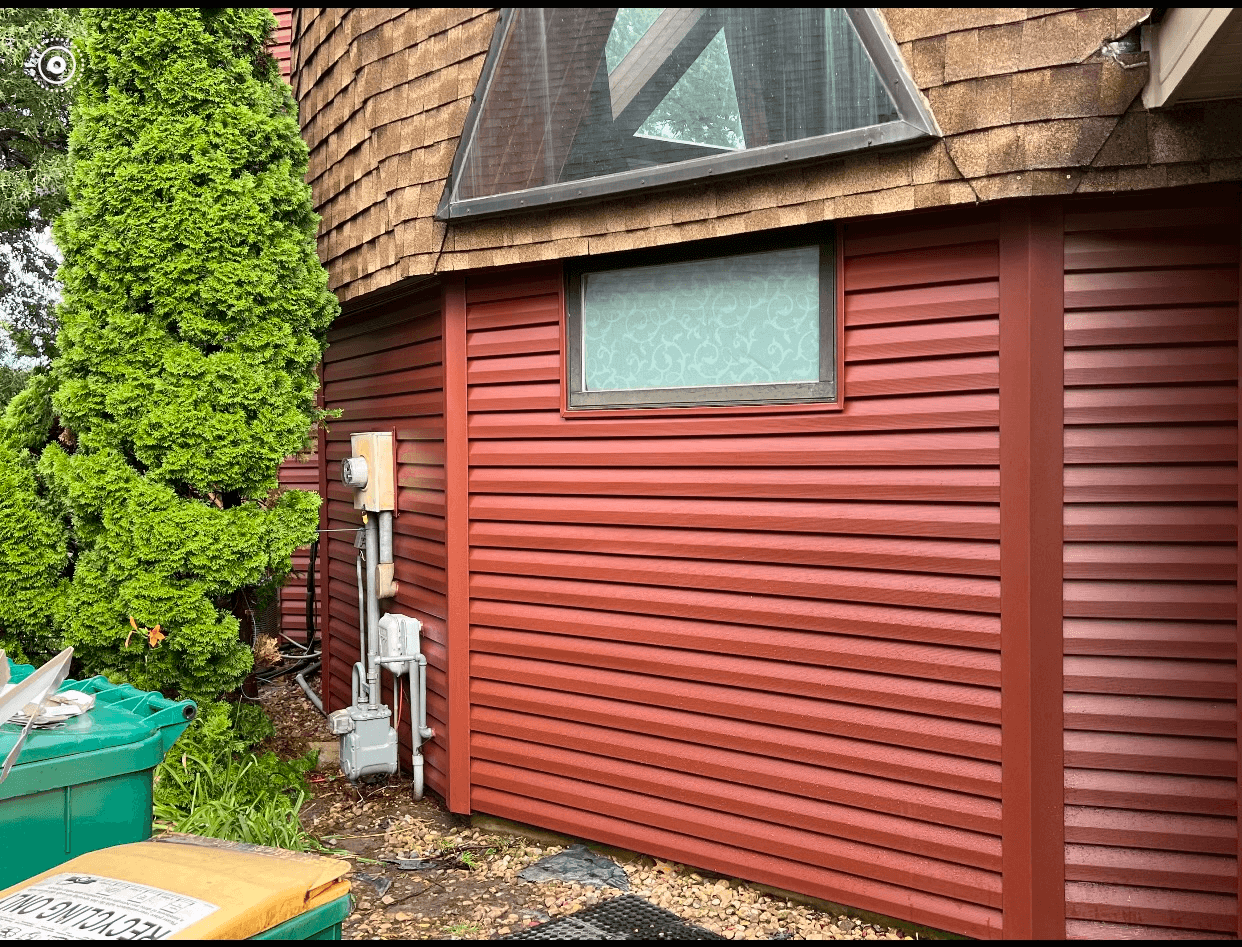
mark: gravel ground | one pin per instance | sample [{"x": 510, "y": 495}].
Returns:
[{"x": 473, "y": 891}]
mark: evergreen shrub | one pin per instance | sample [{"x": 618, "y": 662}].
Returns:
[{"x": 193, "y": 317}]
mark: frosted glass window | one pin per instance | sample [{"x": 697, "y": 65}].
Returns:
[{"x": 743, "y": 328}]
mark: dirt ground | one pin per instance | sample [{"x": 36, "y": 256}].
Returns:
[{"x": 473, "y": 891}]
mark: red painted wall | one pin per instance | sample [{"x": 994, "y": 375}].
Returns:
[
  {"x": 281, "y": 37},
  {"x": 294, "y": 474},
  {"x": 770, "y": 644},
  {"x": 298, "y": 475}
]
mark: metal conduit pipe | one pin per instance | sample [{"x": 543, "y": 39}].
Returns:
[
  {"x": 373, "y": 692},
  {"x": 310, "y": 694},
  {"x": 359, "y": 543},
  {"x": 385, "y": 536}
]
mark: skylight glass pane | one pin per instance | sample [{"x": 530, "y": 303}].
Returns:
[
  {"x": 628, "y": 29},
  {"x": 736, "y": 320},
  {"x": 702, "y": 108},
  {"x": 855, "y": 94}
]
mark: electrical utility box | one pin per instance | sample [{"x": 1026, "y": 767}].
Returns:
[{"x": 371, "y": 471}]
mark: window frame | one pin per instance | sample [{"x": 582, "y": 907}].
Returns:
[
  {"x": 914, "y": 123},
  {"x": 822, "y": 394}
]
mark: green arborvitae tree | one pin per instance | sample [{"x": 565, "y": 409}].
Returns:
[
  {"x": 194, "y": 314},
  {"x": 34, "y": 550}
]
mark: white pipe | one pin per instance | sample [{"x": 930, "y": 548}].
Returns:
[
  {"x": 416, "y": 758},
  {"x": 424, "y": 731}
]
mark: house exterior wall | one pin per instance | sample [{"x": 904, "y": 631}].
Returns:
[
  {"x": 771, "y": 643},
  {"x": 1151, "y": 565},
  {"x": 295, "y": 474},
  {"x": 383, "y": 371},
  {"x": 298, "y": 474},
  {"x": 281, "y": 37}
]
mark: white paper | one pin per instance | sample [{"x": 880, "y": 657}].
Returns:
[
  {"x": 55, "y": 709},
  {"x": 90, "y": 907}
]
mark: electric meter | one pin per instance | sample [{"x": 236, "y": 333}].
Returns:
[{"x": 354, "y": 472}]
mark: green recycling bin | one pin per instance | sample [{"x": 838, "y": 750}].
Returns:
[
  {"x": 87, "y": 784},
  {"x": 321, "y": 923}
]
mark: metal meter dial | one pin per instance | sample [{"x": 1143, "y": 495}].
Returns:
[{"x": 354, "y": 472}]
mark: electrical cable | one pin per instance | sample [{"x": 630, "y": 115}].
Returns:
[
  {"x": 310, "y": 694},
  {"x": 303, "y": 646}
]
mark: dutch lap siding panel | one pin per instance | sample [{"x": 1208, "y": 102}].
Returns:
[
  {"x": 767, "y": 642},
  {"x": 1151, "y": 565},
  {"x": 298, "y": 474},
  {"x": 295, "y": 473},
  {"x": 757, "y": 640}
]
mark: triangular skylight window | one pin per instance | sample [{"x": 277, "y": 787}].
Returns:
[{"x": 577, "y": 104}]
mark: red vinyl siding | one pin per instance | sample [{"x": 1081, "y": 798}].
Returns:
[
  {"x": 281, "y": 38},
  {"x": 769, "y": 643},
  {"x": 765, "y": 644},
  {"x": 384, "y": 370},
  {"x": 294, "y": 474},
  {"x": 1151, "y": 407}
]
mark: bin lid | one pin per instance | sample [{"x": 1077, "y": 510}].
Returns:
[
  {"x": 101, "y": 727},
  {"x": 127, "y": 730}
]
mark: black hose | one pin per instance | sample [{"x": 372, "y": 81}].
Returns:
[
  {"x": 310, "y": 596},
  {"x": 299, "y": 663}
]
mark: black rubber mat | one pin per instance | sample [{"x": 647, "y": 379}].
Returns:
[{"x": 628, "y": 917}]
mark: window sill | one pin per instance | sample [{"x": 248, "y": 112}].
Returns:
[{"x": 723, "y": 410}]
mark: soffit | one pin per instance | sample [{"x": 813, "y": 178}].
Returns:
[{"x": 1196, "y": 56}]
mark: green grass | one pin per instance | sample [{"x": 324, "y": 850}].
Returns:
[{"x": 212, "y": 783}]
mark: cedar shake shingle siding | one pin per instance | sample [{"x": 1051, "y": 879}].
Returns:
[{"x": 1026, "y": 101}]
